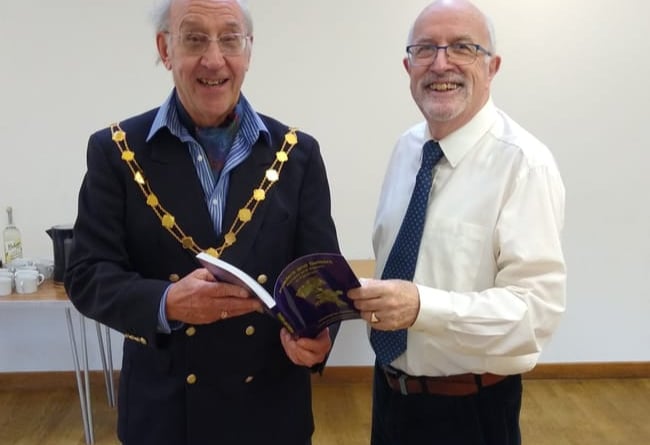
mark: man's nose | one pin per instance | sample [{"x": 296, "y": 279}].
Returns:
[
  {"x": 440, "y": 59},
  {"x": 212, "y": 55}
]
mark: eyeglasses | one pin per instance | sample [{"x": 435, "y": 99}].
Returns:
[
  {"x": 424, "y": 54},
  {"x": 197, "y": 43}
]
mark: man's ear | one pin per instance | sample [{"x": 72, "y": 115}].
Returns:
[
  {"x": 407, "y": 66},
  {"x": 163, "y": 49},
  {"x": 495, "y": 64},
  {"x": 249, "y": 49}
]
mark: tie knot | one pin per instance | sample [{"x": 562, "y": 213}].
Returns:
[{"x": 431, "y": 154}]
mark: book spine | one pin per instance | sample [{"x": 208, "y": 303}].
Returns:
[{"x": 280, "y": 316}]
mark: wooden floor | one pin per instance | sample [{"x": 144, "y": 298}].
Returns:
[{"x": 555, "y": 412}]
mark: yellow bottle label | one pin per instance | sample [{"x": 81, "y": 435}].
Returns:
[{"x": 13, "y": 249}]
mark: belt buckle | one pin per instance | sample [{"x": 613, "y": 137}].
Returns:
[
  {"x": 402, "y": 384},
  {"x": 399, "y": 376}
]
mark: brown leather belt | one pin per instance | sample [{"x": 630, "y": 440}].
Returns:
[{"x": 453, "y": 385}]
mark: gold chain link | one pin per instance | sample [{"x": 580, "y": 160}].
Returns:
[{"x": 244, "y": 215}]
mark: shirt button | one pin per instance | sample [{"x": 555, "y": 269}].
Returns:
[
  {"x": 250, "y": 330},
  {"x": 191, "y": 379},
  {"x": 262, "y": 278},
  {"x": 190, "y": 331},
  {"x": 174, "y": 277},
  {"x": 215, "y": 202},
  {"x": 249, "y": 379},
  {"x": 199, "y": 158}
]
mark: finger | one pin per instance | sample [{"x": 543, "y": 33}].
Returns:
[
  {"x": 316, "y": 343},
  {"x": 305, "y": 358},
  {"x": 315, "y": 347},
  {"x": 364, "y": 281},
  {"x": 203, "y": 274},
  {"x": 309, "y": 357},
  {"x": 224, "y": 290},
  {"x": 245, "y": 304},
  {"x": 296, "y": 354},
  {"x": 233, "y": 307},
  {"x": 286, "y": 337},
  {"x": 230, "y": 313},
  {"x": 370, "y": 289},
  {"x": 288, "y": 343}
]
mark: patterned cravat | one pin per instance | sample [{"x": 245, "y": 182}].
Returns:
[{"x": 403, "y": 256}]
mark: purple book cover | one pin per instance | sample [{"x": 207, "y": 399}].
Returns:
[{"x": 311, "y": 292}]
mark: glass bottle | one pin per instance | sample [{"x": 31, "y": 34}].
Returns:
[{"x": 12, "y": 242}]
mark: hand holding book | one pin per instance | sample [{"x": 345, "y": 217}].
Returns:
[{"x": 309, "y": 294}]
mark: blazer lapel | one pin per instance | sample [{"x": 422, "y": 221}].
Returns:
[
  {"x": 243, "y": 181},
  {"x": 173, "y": 178}
]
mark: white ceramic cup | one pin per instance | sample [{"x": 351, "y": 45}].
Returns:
[
  {"x": 6, "y": 273},
  {"x": 46, "y": 267},
  {"x": 21, "y": 263},
  {"x": 6, "y": 284},
  {"x": 27, "y": 281}
]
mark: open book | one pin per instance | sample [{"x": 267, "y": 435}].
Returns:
[{"x": 309, "y": 294}]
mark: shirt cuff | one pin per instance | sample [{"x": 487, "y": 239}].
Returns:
[
  {"x": 435, "y": 310},
  {"x": 164, "y": 326}
]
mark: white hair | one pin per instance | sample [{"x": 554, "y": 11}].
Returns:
[{"x": 160, "y": 15}]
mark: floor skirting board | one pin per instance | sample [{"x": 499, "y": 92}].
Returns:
[
  {"x": 596, "y": 370},
  {"x": 352, "y": 374}
]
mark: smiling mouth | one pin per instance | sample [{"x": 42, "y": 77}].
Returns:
[
  {"x": 444, "y": 86},
  {"x": 212, "y": 83}
]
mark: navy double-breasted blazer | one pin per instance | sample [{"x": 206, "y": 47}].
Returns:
[{"x": 228, "y": 382}]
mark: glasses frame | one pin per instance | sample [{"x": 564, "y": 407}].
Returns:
[
  {"x": 475, "y": 46},
  {"x": 244, "y": 38}
]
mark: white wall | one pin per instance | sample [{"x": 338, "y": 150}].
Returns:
[{"x": 573, "y": 72}]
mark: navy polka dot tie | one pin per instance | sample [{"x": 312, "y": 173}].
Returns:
[{"x": 389, "y": 345}]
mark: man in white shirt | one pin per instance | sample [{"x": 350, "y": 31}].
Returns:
[{"x": 488, "y": 288}]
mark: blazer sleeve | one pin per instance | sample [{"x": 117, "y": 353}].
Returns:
[{"x": 100, "y": 281}]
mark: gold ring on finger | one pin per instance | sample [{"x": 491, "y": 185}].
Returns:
[{"x": 373, "y": 318}]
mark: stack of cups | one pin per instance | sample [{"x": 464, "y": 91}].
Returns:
[
  {"x": 23, "y": 276},
  {"x": 6, "y": 282}
]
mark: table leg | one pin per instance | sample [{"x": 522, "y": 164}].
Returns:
[
  {"x": 109, "y": 350},
  {"x": 77, "y": 371},
  {"x": 84, "y": 351},
  {"x": 108, "y": 370}
]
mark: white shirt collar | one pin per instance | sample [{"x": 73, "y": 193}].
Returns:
[{"x": 457, "y": 144}]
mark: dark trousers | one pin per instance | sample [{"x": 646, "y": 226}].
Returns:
[{"x": 490, "y": 417}]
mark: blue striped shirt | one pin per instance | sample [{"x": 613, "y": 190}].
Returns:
[{"x": 214, "y": 191}]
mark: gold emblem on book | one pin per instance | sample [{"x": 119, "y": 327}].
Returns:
[
  {"x": 244, "y": 215},
  {"x": 316, "y": 290}
]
